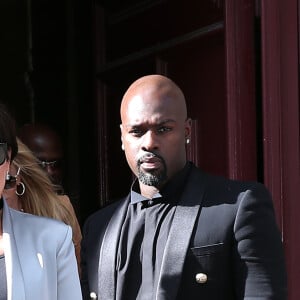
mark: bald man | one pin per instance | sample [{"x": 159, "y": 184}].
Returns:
[
  {"x": 180, "y": 233},
  {"x": 46, "y": 145}
]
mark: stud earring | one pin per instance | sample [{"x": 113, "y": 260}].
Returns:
[
  {"x": 122, "y": 147},
  {"x": 7, "y": 177},
  {"x": 187, "y": 141}
]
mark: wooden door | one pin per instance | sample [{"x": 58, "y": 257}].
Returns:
[{"x": 280, "y": 99}]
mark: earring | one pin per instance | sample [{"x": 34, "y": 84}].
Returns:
[
  {"x": 122, "y": 147},
  {"x": 21, "y": 193},
  {"x": 187, "y": 140},
  {"x": 7, "y": 177}
]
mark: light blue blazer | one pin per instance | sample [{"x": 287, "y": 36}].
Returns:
[{"x": 39, "y": 258}]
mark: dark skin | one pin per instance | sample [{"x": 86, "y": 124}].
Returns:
[
  {"x": 46, "y": 146},
  {"x": 154, "y": 130}
]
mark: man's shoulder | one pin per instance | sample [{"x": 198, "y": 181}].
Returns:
[
  {"x": 219, "y": 190},
  {"x": 219, "y": 182}
]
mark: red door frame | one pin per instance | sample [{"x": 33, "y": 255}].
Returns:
[
  {"x": 281, "y": 124},
  {"x": 240, "y": 86}
]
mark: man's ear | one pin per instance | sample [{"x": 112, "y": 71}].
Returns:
[
  {"x": 122, "y": 145},
  {"x": 188, "y": 128}
]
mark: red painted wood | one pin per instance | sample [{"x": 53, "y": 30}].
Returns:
[
  {"x": 281, "y": 124},
  {"x": 192, "y": 147},
  {"x": 100, "y": 107},
  {"x": 201, "y": 77},
  {"x": 241, "y": 115}
]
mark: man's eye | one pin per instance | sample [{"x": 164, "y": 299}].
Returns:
[
  {"x": 136, "y": 132},
  {"x": 163, "y": 129}
]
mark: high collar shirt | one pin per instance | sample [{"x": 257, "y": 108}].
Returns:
[{"x": 143, "y": 238}]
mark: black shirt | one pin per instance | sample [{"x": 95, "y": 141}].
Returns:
[{"x": 143, "y": 238}]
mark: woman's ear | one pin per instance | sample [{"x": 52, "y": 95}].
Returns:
[{"x": 9, "y": 155}]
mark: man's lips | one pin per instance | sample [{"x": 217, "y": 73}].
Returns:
[{"x": 150, "y": 163}]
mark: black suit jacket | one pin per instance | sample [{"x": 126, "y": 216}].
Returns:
[{"x": 223, "y": 244}]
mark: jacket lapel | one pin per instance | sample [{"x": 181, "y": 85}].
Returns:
[
  {"x": 179, "y": 237},
  {"x": 14, "y": 275},
  {"x": 108, "y": 252}
]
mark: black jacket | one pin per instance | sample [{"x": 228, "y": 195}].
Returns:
[{"x": 223, "y": 244}]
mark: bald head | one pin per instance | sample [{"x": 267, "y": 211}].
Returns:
[
  {"x": 160, "y": 88},
  {"x": 46, "y": 145},
  {"x": 39, "y": 136}
]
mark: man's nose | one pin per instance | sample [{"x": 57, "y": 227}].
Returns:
[
  {"x": 150, "y": 141},
  {"x": 50, "y": 169}
]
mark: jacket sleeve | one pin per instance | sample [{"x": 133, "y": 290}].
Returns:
[
  {"x": 76, "y": 230},
  {"x": 93, "y": 231},
  {"x": 259, "y": 258},
  {"x": 84, "y": 271},
  {"x": 68, "y": 285}
]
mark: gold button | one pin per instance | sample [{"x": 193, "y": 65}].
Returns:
[
  {"x": 93, "y": 295},
  {"x": 201, "y": 278}
]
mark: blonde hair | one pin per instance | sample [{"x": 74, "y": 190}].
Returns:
[{"x": 40, "y": 197}]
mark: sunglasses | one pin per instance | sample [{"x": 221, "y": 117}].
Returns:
[
  {"x": 54, "y": 164},
  {"x": 3, "y": 153},
  {"x": 11, "y": 180}
]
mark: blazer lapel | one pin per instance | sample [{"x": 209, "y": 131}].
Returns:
[
  {"x": 14, "y": 275},
  {"x": 108, "y": 252},
  {"x": 179, "y": 237}
]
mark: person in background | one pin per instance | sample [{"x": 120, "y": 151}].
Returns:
[
  {"x": 180, "y": 233},
  {"x": 37, "y": 257},
  {"x": 46, "y": 145},
  {"x": 30, "y": 190}
]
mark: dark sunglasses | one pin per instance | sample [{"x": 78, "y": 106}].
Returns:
[
  {"x": 3, "y": 153},
  {"x": 11, "y": 180}
]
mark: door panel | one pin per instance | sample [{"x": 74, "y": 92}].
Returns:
[{"x": 280, "y": 81}]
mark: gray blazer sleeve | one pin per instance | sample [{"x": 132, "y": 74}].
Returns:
[{"x": 67, "y": 271}]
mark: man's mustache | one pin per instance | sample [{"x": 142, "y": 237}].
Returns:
[{"x": 148, "y": 156}]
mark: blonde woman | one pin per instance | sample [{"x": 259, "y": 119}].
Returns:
[
  {"x": 37, "y": 257},
  {"x": 29, "y": 189}
]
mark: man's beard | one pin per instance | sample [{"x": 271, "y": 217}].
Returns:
[{"x": 156, "y": 177}]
